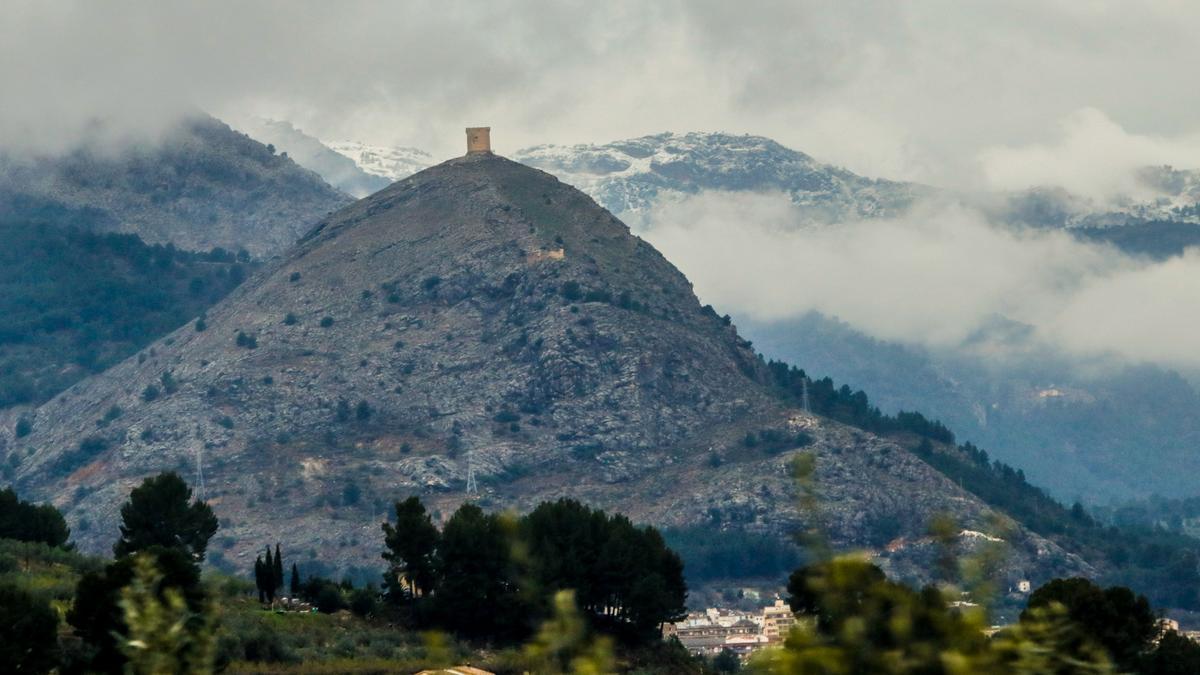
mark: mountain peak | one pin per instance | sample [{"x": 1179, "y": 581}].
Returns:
[
  {"x": 480, "y": 311},
  {"x": 632, "y": 175}
]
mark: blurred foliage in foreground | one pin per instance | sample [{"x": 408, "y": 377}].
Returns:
[{"x": 852, "y": 619}]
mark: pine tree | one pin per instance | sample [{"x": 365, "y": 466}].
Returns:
[
  {"x": 295, "y": 581},
  {"x": 277, "y": 577},
  {"x": 411, "y": 547},
  {"x": 161, "y": 512}
]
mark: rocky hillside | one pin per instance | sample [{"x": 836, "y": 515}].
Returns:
[
  {"x": 203, "y": 185},
  {"x": 480, "y": 315},
  {"x": 1044, "y": 413}
]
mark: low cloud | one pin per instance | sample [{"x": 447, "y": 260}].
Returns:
[
  {"x": 939, "y": 278},
  {"x": 1092, "y": 156},
  {"x": 898, "y": 90}
]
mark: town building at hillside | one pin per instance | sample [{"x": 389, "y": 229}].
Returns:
[
  {"x": 715, "y": 629},
  {"x": 777, "y": 620}
]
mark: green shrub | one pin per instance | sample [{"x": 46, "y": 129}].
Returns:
[
  {"x": 364, "y": 601},
  {"x": 571, "y": 291},
  {"x": 506, "y": 416},
  {"x": 30, "y": 631},
  {"x": 362, "y": 411}
]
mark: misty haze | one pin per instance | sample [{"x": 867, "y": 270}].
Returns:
[{"x": 532, "y": 337}]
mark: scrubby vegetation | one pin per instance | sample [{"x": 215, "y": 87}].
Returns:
[{"x": 711, "y": 554}]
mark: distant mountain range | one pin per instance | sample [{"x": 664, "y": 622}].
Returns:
[
  {"x": 1073, "y": 433},
  {"x": 535, "y": 341},
  {"x": 632, "y": 175},
  {"x": 1042, "y": 417},
  {"x": 480, "y": 315}
]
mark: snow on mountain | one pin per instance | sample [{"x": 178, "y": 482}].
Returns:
[
  {"x": 338, "y": 170},
  {"x": 629, "y": 176},
  {"x": 387, "y": 162},
  {"x": 1164, "y": 194}
]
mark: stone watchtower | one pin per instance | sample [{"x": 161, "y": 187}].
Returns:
[{"x": 479, "y": 140}]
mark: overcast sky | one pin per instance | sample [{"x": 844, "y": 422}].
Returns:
[{"x": 948, "y": 92}]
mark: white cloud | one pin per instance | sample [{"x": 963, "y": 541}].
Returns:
[
  {"x": 933, "y": 278},
  {"x": 1093, "y": 156},
  {"x": 900, "y": 90}
]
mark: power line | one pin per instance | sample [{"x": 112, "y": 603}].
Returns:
[
  {"x": 472, "y": 486},
  {"x": 200, "y": 471}
]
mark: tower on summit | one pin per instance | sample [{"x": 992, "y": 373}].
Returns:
[{"x": 479, "y": 139}]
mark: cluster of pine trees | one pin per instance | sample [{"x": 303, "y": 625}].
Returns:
[
  {"x": 23, "y": 521},
  {"x": 848, "y": 406},
  {"x": 494, "y": 576}
]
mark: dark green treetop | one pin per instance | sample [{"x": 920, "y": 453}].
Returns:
[{"x": 161, "y": 512}]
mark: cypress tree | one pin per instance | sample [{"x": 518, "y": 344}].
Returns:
[
  {"x": 295, "y": 581},
  {"x": 258, "y": 578},
  {"x": 269, "y": 576},
  {"x": 278, "y": 570}
]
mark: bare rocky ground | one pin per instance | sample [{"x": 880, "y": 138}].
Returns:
[{"x": 478, "y": 313}]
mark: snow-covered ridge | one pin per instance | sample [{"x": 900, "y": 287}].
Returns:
[
  {"x": 632, "y": 175},
  {"x": 387, "y": 162},
  {"x": 629, "y": 177}
]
